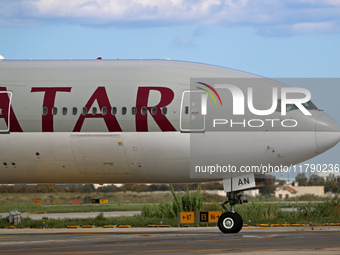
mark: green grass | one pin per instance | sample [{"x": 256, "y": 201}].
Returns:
[
  {"x": 189, "y": 201},
  {"x": 70, "y": 208},
  {"x": 118, "y": 201},
  {"x": 99, "y": 221},
  {"x": 65, "y": 198},
  {"x": 327, "y": 211},
  {"x": 311, "y": 213},
  {"x": 140, "y": 221},
  {"x": 161, "y": 208}
]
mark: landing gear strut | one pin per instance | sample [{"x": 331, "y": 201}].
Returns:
[{"x": 230, "y": 221}]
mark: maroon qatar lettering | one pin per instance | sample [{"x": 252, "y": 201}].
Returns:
[
  {"x": 167, "y": 95},
  {"x": 103, "y": 101},
  {"x": 49, "y": 99},
  {"x": 101, "y": 97}
]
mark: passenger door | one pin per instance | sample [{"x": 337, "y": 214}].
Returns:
[
  {"x": 193, "y": 110},
  {"x": 5, "y": 106}
]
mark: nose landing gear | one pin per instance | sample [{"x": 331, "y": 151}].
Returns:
[{"x": 230, "y": 221}]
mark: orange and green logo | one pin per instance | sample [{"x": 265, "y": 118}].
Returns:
[{"x": 209, "y": 93}]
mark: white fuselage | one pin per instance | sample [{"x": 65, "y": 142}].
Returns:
[{"x": 122, "y": 122}]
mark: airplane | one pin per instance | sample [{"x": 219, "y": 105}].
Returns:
[{"x": 153, "y": 121}]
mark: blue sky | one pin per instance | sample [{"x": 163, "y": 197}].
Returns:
[{"x": 292, "y": 38}]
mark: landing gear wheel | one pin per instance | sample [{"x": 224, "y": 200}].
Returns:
[
  {"x": 230, "y": 222},
  {"x": 240, "y": 222}
]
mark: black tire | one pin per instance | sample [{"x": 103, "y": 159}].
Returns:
[
  {"x": 240, "y": 226},
  {"x": 230, "y": 222}
]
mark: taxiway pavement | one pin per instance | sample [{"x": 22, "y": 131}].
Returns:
[{"x": 203, "y": 240}]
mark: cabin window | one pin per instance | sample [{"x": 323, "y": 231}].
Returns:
[
  {"x": 84, "y": 110},
  {"x": 45, "y": 111},
  {"x": 144, "y": 110},
  {"x": 94, "y": 110},
  {"x": 164, "y": 110},
  {"x": 104, "y": 110},
  {"x": 114, "y": 110},
  {"x": 133, "y": 110},
  {"x": 124, "y": 110},
  {"x": 74, "y": 110},
  {"x": 154, "y": 110},
  {"x": 64, "y": 110},
  {"x": 54, "y": 110}
]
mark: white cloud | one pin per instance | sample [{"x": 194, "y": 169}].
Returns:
[
  {"x": 300, "y": 28},
  {"x": 112, "y": 11},
  {"x": 314, "y": 27},
  {"x": 268, "y": 16},
  {"x": 320, "y": 3}
]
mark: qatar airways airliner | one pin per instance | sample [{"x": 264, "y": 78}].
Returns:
[{"x": 153, "y": 121}]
